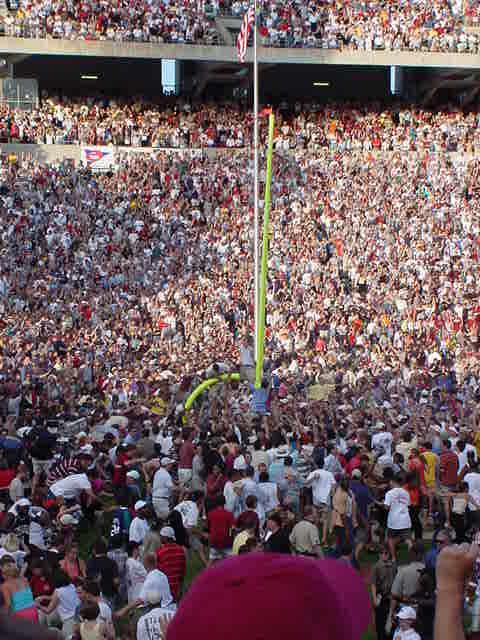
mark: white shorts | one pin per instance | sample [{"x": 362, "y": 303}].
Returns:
[{"x": 161, "y": 507}]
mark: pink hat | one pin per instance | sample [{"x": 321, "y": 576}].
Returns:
[{"x": 274, "y": 597}]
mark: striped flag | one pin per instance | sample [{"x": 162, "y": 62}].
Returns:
[{"x": 242, "y": 40}]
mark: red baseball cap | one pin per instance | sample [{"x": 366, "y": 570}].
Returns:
[{"x": 269, "y": 596}]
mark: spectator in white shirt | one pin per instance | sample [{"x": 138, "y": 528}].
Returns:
[
  {"x": 139, "y": 526},
  {"x": 322, "y": 483}
]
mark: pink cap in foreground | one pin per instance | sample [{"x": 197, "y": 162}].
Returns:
[{"x": 268, "y": 596}]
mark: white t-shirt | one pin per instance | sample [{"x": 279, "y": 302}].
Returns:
[
  {"x": 383, "y": 440},
  {"x": 398, "y": 517},
  {"x": 269, "y": 495},
  {"x": 148, "y": 626},
  {"x": 37, "y": 530},
  {"x": 135, "y": 574},
  {"x": 139, "y": 528},
  {"x": 157, "y": 582},
  {"x": 322, "y": 483},
  {"x": 68, "y": 602},
  {"x": 473, "y": 481},
  {"x": 105, "y": 613},
  {"x": 189, "y": 512},
  {"x": 162, "y": 484},
  {"x": 463, "y": 456},
  {"x": 71, "y": 486},
  {"x": 409, "y": 634}
]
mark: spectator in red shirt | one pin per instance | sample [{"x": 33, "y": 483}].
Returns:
[
  {"x": 39, "y": 583},
  {"x": 354, "y": 462},
  {"x": 220, "y": 525},
  {"x": 249, "y": 519},
  {"x": 448, "y": 474},
  {"x": 171, "y": 560},
  {"x": 124, "y": 462},
  {"x": 186, "y": 455},
  {"x": 215, "y": 483}
]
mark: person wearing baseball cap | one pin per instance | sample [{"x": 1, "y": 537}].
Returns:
[
  {"x": 133, "y": 488},
  {"x": 171, "y": 560},
  {"x": 406, "y": 619},
  {"x": 162, "y": 488},
  {"x": 251, "y": 593},
  {"x": 139, "y": 526}
]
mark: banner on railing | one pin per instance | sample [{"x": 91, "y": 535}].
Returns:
[{"x": 98, "y": 158}]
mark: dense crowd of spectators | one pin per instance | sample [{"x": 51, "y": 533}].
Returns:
[
  {"x": 472, "y": 13},
  {"x": 129, "y": 122},
  {"x": 309, "y": 126},
  {"x": 121, "y": 291},
  {"x": 362, "y": 25},
  {"x": 181, "y": 22}
]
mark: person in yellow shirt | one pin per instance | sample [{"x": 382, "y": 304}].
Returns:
[
  {"x": 242, "y": 538},
  {"x": 431, "y": 473}
]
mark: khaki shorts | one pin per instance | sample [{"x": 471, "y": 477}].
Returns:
[
  {"x": 445, "y": 489},
  {"x": 40, "y": 466},
  {"x": 161, "y": 507}
]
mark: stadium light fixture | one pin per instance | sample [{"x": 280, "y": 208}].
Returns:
[
  {"x": 86, "y": 77},
  {"x": 322, "y": 83}
]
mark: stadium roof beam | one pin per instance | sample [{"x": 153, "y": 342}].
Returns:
[
  {"x": 458, "y": 79},
  {"x": 219, "y": 73},
  {"x": 8, "y": 62},
  {"x": 145, "y": 50}
]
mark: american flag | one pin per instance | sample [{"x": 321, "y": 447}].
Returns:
[{"x": 242, "y": 40}]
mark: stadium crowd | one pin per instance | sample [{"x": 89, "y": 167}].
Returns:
[
  {"x": 175, "y": 23},
  {"x": 121, "y": 291},
  {"x": 364, "y": 25},
  {"x": 472, "y": 13},
  {"x": 129, "y": 122},
  {"x": 313, "y": 126}
]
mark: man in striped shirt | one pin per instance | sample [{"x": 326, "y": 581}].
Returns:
[{"x": 171, "y": 561}]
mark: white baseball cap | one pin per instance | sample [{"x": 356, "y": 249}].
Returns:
[
  {"x": 407, "y": 613},
  {"x": 133, "y": 474},
  {"x": 140, "y": 504},
  {"x": 240, "y": 463},
  {"x": 167, "y": 532}
]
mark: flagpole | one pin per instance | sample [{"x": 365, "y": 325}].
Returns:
[{"x": 256, "y": 226}]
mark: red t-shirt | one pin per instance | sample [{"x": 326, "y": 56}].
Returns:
[
  {"x": 354, "y": 463},
  {"x": 171, "y": 560},
  {"x": 6, "y": 476},
  {"x": 120, "y": 470},
  {"x": 448, "y": 468},
  {"x": 220, "y": 523},
  {"x": 40, "y": 586},
  {"x": 187, "y": 451},
  {"x": 215, "y": 485}
]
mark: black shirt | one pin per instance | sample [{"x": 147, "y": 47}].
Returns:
[
  {"x": 43, "y": 445},
  {"x": 278, "y": 542},
  {"x": 104, "y": 571}
]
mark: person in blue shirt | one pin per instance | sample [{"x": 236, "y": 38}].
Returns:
[
  {"x": 276, "y": 470},
  {"x": 363, "y": 498},
  {"x": 260, "y": 397}
]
